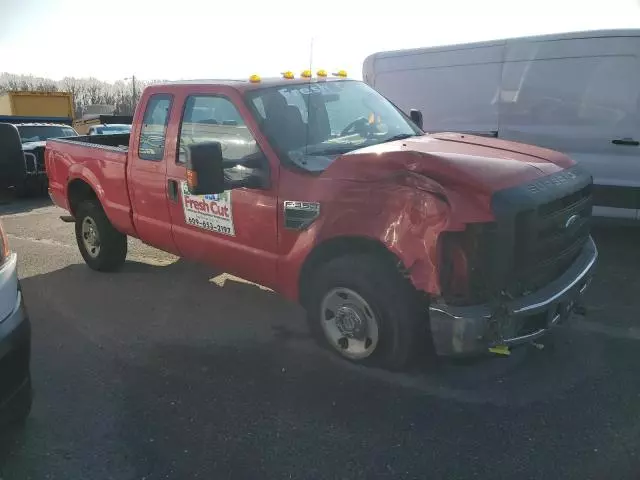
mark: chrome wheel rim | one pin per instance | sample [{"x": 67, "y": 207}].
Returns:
[
  {"x": 349, "y": 323},
  {"x": 90, "y": 237}
]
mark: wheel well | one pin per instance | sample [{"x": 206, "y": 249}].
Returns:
[
  {"x": 335, "y": 248},
  {"x": 78, "y": 191}
]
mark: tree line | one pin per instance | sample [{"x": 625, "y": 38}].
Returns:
[{"x": 85, "y": 91}]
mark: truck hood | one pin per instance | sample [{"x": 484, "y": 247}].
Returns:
[
  {"x": 33, "y": 145},
  {"x": 459, "y": 161}
]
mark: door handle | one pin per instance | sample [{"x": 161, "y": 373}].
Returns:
[
  {"x": 172, "y": 190},
  {"x": 626, "y": 141}
]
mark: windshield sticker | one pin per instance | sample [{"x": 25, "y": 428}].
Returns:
[
  {"x": 324, "y": 88},
  {"x": 208, "y": 212}
]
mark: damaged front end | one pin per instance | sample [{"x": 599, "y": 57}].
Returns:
[
  {"x": 504, "y": 321},
  {"x": 509, "y": 281}
]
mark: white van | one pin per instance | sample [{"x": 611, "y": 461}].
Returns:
[{"x": 577, "y": 93}]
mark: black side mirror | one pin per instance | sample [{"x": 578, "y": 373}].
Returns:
[
  {"x": 416, "y": 117},
  {"x": 205, "y": 173},
  {"x": 208, "y": 172}
]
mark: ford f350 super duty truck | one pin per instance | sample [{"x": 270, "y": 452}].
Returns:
[{"x": 395, "y": 241}]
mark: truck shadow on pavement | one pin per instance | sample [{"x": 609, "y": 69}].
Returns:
[
  {"x": 9, "y": 205},
  {"x": 183, "y": 304},
  {"x": 158, "y": 370}
]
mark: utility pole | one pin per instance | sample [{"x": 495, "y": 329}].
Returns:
[{"x": 133, "y": 87}]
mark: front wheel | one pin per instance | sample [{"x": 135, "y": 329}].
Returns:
[
  {"x": 101, "y": 245},
  {"x": 361, "y": 308}
]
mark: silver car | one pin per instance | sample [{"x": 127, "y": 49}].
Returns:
[{"x": 15, "y": 341}]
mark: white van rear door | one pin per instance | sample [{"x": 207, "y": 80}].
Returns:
[{"x": 580, "y": 97}]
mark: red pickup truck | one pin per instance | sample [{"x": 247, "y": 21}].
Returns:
[{"x": 397, "y": 242}]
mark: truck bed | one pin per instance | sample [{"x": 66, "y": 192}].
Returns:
[
  {"x": 119, "y": 141},
  {"x": 98, "y": 161}
]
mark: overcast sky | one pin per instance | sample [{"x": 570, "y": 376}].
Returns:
[{"x": 113, "y": 39}]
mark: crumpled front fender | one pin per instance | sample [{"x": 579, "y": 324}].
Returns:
[{"x": 403, "y": 219}]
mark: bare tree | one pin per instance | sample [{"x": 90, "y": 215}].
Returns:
[{"x": 85, "y": 91}]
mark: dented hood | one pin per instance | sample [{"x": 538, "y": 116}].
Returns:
[
  {"x": 33, "y": 145},
  {"x": 480, "y": 164}
]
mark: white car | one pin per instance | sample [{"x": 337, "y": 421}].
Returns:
[
  {"x": 15, "y": 341},
  {"x": 109, "y": 129}
]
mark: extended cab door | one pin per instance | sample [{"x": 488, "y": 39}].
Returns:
[
  {"x": 236, "y": 230},
  {"x": 147, "y": 176}
]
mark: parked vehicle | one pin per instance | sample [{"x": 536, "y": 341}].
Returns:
[
  {"x": 83, "y": 125},
  {"x": 57, "y": 105},
  {"x": 25, "y": 171},
  {"x": 577, "y": 93},
  {"x": 15, "y": 342},
  {"x": 322, "y": 190},
  {"x": 109, "y": 129}
]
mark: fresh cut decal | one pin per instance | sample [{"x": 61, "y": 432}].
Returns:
[{"x": 209, "y": 212}]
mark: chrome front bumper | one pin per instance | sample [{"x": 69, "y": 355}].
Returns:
[{"x": 474, "y": 329}]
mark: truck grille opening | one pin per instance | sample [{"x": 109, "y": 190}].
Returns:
[
  {"x": 549, "y": 238},
  {"x": 34, "y": 161}
]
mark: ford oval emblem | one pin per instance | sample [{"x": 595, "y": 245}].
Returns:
[{"x": 571, "y": 220}]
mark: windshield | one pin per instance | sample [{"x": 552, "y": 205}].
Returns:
[
  {"x": 39, "y": 133},
  {"x": 113, "y": 129},
  {"x": 311, "y": 124}
]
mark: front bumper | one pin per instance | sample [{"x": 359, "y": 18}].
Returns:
[
  {"x": 474, "y": 329},
  {"x": 15, "y": 348}
]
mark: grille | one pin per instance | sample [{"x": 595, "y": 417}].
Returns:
[
  {"x": 34, "y": 161},
  {"x": 549, "y": 238}
]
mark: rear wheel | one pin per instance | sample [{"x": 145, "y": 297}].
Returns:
[
  {"x": 101, "y": 245},
  {"x": 361, "y": 308}
]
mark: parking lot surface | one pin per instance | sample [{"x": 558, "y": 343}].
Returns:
[{"x": 171, "y": 370}]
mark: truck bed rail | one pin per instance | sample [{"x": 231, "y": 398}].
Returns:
[{"x": 119, "y": 142}]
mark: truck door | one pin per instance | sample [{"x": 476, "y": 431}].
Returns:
[
  {"x": 236, "y": 230},
  {"x": 147, "y": 173}
]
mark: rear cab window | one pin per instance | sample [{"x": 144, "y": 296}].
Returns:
[{"x": 154, "y": 127}]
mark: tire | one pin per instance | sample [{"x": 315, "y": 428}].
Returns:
[
  {"x": 110, "y": 246},
  {"x": 391, "y": 303}
]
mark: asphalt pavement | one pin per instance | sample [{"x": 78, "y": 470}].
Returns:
[{"x": 171, "y": 370}]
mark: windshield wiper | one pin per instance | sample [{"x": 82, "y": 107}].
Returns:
[
  {"x": 337, "y": 150},
  {"x": 400, "y": 136}
]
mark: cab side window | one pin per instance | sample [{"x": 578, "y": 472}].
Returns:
[
  {"x": 208, "y": 118},
  {"x": 154, "y": 127}
]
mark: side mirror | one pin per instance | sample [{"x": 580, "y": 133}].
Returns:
[
  {"x": 208, "y": 172},
  {"x": 416, "y": 117},
  {"x": 205, "y": 173}
]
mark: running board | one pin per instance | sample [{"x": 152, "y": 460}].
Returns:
[{"x": 67, "y": 218}]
